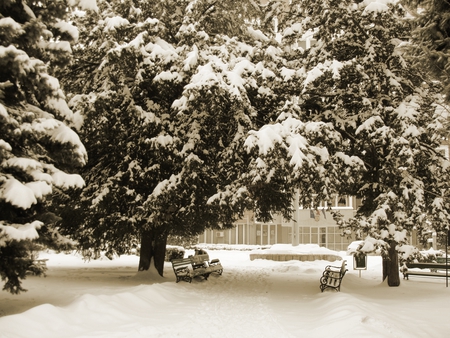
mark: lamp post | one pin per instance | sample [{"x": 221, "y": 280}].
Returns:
[
  {"x": 295, "y": 232},
  {"x": 446, "y": 257}
]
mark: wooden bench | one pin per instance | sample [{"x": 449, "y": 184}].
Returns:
[
  {"x": 195, "y": 266},
  {"x": 332, "y": 276},
  {"x": 435, "y": 270},
  {"x": 202, "y": 261}
]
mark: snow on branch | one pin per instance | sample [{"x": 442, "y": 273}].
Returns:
[
  {"x": 161, "y": 50},
  {"x": 332, "y": 66},
  {"x": 191, "y": 59},
  {"x": 111, "y": 24},
  {"x": 5, "y": 145},
  {"x": 63, "y": 134},
  {"x": 16, "y": 193},
  {"x": 264, "y": 139},
  {"x": 84, "y": 4},
  {"x": 9, "y": 24},
  {"x": 3, "y": 111},
  {"x": 301, "y": 141},
  {"x": 23, "y": 163},
  {"x": 18, "y": 232},
  {"x": 67, "y": 181},
  {"x": 257, "y": 34},
  {"x": 370, "y": 125},
  {"x": 68, "y": 28},
  {"x": 228, "y": 197},
  {"x": 376, "y": 7},
  {"x": 165, "y": 185}
]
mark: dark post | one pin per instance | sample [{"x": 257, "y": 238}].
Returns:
[{"x": 446, "y": 257}]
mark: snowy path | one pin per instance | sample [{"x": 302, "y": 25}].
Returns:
[
  {"x": 224, "y": 306},
  {"x": 251, "y": 299},
  {"x": 237, "y": 302}
]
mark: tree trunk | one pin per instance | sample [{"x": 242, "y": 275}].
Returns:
[
  {"x": 153, "y": 245},
  {"x": 391, "y": 267}
]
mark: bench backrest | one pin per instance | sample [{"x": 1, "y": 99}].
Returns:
[
  {"x": 343, "y": 268},
  {"x": 179, "y": 262},
  {"x": 426, "y": 265}
]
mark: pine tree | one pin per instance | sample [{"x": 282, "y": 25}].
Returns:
[
  {"x": 38, "y": 146},
  {"x": 388, "y": 114},
  {"x": 169, "y": 91}
]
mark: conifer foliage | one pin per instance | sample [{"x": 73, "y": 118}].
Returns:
[
  {"x": 171, "y": 90},
  {"x": 193, "y": 111},
  {"x": 387, "y": 112},
  {"x": 39, "y": 149},
  {"x": 431, "y": 38}
]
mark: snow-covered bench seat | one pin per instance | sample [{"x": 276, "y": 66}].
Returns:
[
  {"x": 434, "y": 270},
  {"x": 332, "y": 276},
  {"x": 202, "y": 261}
]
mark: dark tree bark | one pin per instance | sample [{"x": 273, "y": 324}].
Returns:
[
  {"x": 153, "y": 246},
  {"x": 391, "y": 267}
]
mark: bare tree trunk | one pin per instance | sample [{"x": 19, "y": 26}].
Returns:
[
  {"x": 153, "y": 245},
  {"x": 391, "y": 267}
]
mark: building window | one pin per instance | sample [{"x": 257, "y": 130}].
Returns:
[{"x": 342, "y": 202}]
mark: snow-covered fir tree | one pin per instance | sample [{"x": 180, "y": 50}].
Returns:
[
  {"x": 388, "y": 113},
  {"x": 39, "y": 146},
  {"x": 169, "y": 91}
]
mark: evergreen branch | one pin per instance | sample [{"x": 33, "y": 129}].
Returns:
[{"x": 206, "y": 10}]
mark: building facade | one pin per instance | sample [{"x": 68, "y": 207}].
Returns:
[{"x": 314, "y": 226}]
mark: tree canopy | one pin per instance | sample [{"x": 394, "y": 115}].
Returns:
[
  {"x": 193, "y": 111},
  {"x": 170, "y": 100},
  {"x": 39, "y": 149},
  {"x": 389, "y": 113}
]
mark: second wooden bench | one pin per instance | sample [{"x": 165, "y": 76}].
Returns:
[
  {"x": 195, "y": 266},
  {"x": 435, "y": 270}
]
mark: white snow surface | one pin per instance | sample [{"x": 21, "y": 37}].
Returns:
[
  {"x": 85, "y": 4},
  {"x": 260, "y": 298},
  {"x": 376, "y": 5}
]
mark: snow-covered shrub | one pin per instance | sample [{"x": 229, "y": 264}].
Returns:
[{"x": 173, "y": 252}]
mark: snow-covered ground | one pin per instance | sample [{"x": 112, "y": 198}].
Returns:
[{"x": 259, "y": 298}]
